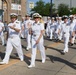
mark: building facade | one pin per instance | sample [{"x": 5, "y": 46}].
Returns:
[
  {"x": 70, "y": 3},
  {"x": 12, "y": 6}
]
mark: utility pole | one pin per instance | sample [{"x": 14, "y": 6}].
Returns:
[
  {"x": 70, "y": 4},
  {"x": 51, "y": 8}
]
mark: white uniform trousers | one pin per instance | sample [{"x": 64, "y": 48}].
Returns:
[
  {"x": 66, "y": 40},
  {"x": 47, "y": 32},
  {"x": 51, "y": 34},
  {"x": 73, "y": 38},
  {"x": 2, "y": 38},
  {"x": 13, "y": 42},
  {"x": 23, "y": 34},
  {"x": 60, "y": 36},
  {"x": 28, "y": 38},
  {"x": 34, "y": 49}
]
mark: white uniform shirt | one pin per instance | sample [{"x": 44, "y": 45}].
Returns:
[
  {"x": 26, "y": 22},
  {"x": 74, "y": 29},
  {"x": 65, "y": 28},
  {"x": 72, "y": 24},
  {"x": 12, "y": 32},
  {"x": 1, "y": 26},
  {"x": 36, "y": 29},
  {"x": 53, "y": 26}
]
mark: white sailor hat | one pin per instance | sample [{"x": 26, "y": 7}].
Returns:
[
  {"x": 71, "y": 16},
  {"x": 48, "y": 17},
  {"x": 27, "y": 15},
  {"x": 60, "y": 17},
  {"x": 36, "y": 15},
  {"x": 40, "y": 16},
  {"x": 13, "y": 15},
  {"x": 52, "y": 18},
  {"x": 65, "y": 17}
]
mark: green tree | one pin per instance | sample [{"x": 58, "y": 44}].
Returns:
[
  {"x": 47, "y": 9},
  {"x": 73, "y": 10},
  {"x": 63, "y": 9},
  {"x": 43, "y": 8},
  {"x": 39, "y": 8}
]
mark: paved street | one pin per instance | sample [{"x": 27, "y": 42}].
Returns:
[{"x": 56, "y": 63}]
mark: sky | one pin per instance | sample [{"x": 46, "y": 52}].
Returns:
[
  {"x": 38, "y": 0},
  {"x": 28, "y": 9}
]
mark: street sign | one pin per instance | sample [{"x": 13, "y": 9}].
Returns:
[
  {"x": 16, "y": 7},
  {"x": 31, "y": 4}
]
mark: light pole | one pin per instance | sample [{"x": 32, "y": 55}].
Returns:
[
  {"x": 70, "y": 4},
  {"x": 51, "y": 8}
]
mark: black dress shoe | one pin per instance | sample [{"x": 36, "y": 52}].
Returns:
[
  {"x": 50, "y": 39},
  {"x": 70, "y": 44},
  {"x": 63, "y": 53}
]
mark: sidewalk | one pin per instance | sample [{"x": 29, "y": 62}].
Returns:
[{"x": 56, "y": 64}]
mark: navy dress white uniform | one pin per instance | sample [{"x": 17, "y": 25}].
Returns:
[
  {"x": 27, "y": 25},
  {"x": 58, "y": 26},
  {"x": 66, "y": 34},
  {"x": 22, "y": 32},
  {"x": 1, "y": 32},
  {"x": 13, "y": 40},
  {"x": 52, "y": 28},
  {"x": 72, "y": 25},
  {"x": 37, "y": 40},
  {"x": 74, "y": 31},
  {"x": 48, "y": 26}
]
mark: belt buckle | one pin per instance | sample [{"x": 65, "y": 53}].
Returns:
[
  {"x": 34, "y": 35},
  {"x": 11, "y": 37},
  {"x": 64, "y": 33}
]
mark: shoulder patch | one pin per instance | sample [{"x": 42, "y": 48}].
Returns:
[
  {"x": 38, "y": 23},
  {"x": 17, "y": 22}
]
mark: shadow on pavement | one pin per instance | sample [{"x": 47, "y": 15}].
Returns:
[
  {"x": 53, "y": 49},
  {"x": 2, "y": 55},
  {"x": 23, "y": 47},
  {"x": 54, "y": 58},
  {"x": 73, "y": 48},
  {"x": 27, "y": 59}
]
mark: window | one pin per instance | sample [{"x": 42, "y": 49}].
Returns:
[
  {"x": 16, "y": 1},
  {"x": 13, "y": 1}
]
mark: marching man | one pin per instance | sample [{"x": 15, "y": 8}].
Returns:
[
  {"x": 27, "y": 25},
  {"x": 1, "y": 32},
  {"x": 37, "y": 31},
  {"x": 13, "y": 39}
]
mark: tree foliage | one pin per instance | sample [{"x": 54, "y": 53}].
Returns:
[
  {"x": 43, "y": 8},
  {"x": 39, "y": 8},
  {"x": 63, "y": 9},
  {"x": 73, "y": 10}
]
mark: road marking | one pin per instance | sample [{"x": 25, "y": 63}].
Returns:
[{"x": 15, "y": 61}]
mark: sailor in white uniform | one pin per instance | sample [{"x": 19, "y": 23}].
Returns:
[
  {"x": 1, "y": 32},
  {"x": 72, "y": 25},
  {"x": 52, "y": 27},
  {"x": 48, "y": 27},
  {"x": 37, "y": 32},
  {"x": 27, "y": 25},
  {"x": 65, "y": 28},
  {"x": 13, "y": 39}
]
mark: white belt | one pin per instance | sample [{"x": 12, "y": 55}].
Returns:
[
  {"x": 12, "y": 37},
  {"x": 34, "y": 35}
]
